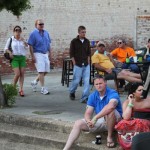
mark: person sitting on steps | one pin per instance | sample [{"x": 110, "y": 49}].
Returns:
[{"x": 106, "y": 104}]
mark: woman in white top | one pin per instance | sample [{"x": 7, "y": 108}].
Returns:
[{"x": 18, "y": 55}]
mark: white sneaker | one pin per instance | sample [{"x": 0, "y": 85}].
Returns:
[
  {"x": 34, "y": 84},
  {"x": 44, "y": 91}
]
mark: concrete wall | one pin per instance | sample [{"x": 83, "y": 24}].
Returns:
[{"x": 105, "y": 20}]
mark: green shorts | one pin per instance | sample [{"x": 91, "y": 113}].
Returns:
[{"x": 18, "y": 62}]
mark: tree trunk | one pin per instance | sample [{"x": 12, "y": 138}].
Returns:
[{"x": 2, "y": 97}]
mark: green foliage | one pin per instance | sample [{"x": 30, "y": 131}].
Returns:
[
  {"x": 10, "y": 92},
  {"x": 15, "y": 6}
]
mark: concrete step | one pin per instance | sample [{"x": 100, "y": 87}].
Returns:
[
  {"x": 44, "y": 132},
  {"x": 41, "y": 123},
  {"x": 53, "y": 140},
  {"x": 35, "y": 122},
  {"x": 6, "y": 144}
]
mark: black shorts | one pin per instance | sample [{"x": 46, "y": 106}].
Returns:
[{"x": 113, "y": 75}]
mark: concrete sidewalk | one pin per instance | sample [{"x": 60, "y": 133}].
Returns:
[
  {"x": 43, "y": 122},
  {"x": 56, "y": 105}
]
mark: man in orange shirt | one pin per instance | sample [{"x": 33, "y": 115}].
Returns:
[{"x": 122, "y": 52}]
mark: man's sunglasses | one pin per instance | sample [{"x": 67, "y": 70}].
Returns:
[
  {"x": 41, "y": 24},
  {"x": 17, "y": 30}
]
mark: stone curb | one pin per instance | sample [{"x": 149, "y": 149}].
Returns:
[{"x": 35, "y": 122}]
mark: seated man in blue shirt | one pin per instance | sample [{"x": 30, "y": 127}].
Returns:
[{"x": 106, "y": 104}]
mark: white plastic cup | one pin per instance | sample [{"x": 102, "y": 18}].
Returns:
[{"x": 135, "y": 59}]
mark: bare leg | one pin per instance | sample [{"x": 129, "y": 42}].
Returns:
[
  {"x": 129, "y": 76},
  {"x": 129, "y": 79},
  {"x": 17, "y": 75},
  {"x": 41, "y": 78},
  {"x": 77, "y": 128},
  {"x": 21, "y": 80},
  {"x": 111, "y": 121},
  {"x": 37, "y": 78}
]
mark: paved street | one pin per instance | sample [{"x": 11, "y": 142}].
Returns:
[{"x": 56, "y": 105}]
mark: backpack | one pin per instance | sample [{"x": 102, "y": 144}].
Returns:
[{"x": 6, "y": 54}]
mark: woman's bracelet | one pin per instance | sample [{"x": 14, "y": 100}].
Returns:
[{"x": 130, "y": 105}]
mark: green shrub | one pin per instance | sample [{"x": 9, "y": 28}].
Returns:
[{"x": 10, "y": 92}]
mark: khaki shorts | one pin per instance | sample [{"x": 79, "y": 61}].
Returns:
[{"x": 101, "y": 125}]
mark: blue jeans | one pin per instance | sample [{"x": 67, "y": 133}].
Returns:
[
  {"x": 78, "y": 73},
  {"x": 133, "y": 67}
]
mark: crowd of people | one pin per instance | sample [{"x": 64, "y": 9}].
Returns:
[{"x": 104, "y": 101}]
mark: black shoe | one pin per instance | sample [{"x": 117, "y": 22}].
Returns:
[{"x": 72, "y": 96}]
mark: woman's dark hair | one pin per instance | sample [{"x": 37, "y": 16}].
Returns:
[
  {"x": 17, "y": 28},
  {"x": 133, "y": 87},
  {"x": 148, "y": 40}
]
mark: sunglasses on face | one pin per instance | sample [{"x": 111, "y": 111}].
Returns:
[
  {"x": 17, "y": 30},
  {"x": 120, "y": 42},
  {"x": 41, "y": 24}
]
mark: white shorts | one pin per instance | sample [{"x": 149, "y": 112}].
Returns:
[
  {"x": 42, "y": 62},
  {"x": 101, "y": 125}
]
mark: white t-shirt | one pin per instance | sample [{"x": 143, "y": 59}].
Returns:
[
  {"x": 82, "y": 40},
  {"x": 17, "y": 46}
]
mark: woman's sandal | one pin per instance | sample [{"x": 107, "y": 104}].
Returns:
[
  {"x": 21, "y": 93},
  {"x": 111, "y": 144}
]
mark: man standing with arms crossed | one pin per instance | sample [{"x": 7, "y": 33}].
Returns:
[
  {"x": 80, "y": 55},
  {"x": 39, "y": 42}
]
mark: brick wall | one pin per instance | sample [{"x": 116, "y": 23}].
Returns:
[
  {"x": 143, "y": 30},
  {"x": 105, "y": 20}
]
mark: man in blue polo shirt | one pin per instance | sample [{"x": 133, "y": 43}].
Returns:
[
  {"x": 106, "y": 104},
  {"x": 39, "y": 42}
]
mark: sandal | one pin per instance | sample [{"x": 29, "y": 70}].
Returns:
[
  {"x": 111, "y": 144},
  {"x": 21, "y": 93}
]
